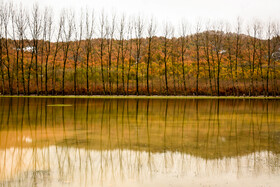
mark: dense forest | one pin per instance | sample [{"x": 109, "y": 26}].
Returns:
[{"x": 110, "y": 54}]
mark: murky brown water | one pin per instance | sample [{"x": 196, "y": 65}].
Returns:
[{"x": 118, "y": 142}]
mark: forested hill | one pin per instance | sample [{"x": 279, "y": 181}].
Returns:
[{"x": 128, "y": 58}]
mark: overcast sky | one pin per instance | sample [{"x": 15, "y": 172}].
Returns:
[{"x": 175, "y": 10}]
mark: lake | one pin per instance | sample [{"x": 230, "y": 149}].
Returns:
[{"x": 139, "y": 142}]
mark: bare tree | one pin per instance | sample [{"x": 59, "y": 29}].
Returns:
[
  {"x": 42, "y": 45},
  {"x": 269, "y": 54},
  {"x": 110, "y": 31},
  {"x": 21, "y": 26},
  {"x": 172, "y": 54},
  {"x": 78, "y": 34},
  {"x": 151, "y": 34},
  {"x": 275, "y": 54},
  {"x": 35, "y": 25},
  {"x": 251, "y": 46},
  {"x": 183, "y": 42},
  {"x": 260, "y": 56},
  {"x": 248, "y": 59},
  {"x": 15, "y": 39},
  {"x": 197, "y": 46},
  {"x": 139, "y": 28},
  {"x": 68, "y": 26},
  {"x": 212, "y": 50},
  {"x": 229, "y": 41},
  {"x": 123, "y": 50},
  {"x": 47, "y": 37},
  {"x": 102, "y": 32},
  {"x": 89, "y": 30},
  {"x": 6, "y": 15},
  {"x": 206, "y": 46},
  {"x": 218, "y": 44},
  {"x": 1, "y": 50},
  {"x": 29, "y": 48},
  {"x": 129, "y": 38},
  {"x": 166, "y": 35},
  {"x": 254, "y": 43},
  {"x": 237, "y": 52},
  {"x": 57, "y": 48}
]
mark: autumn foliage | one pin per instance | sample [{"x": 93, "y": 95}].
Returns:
[{"x": 119, "y": 56}]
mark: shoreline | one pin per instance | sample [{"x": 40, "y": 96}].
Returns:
[{"x": 137, "y": 97}]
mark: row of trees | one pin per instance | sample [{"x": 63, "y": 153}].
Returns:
[{"x": 110, "y": 54}]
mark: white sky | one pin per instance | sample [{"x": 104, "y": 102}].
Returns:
[{"x": 174, "y": 10}]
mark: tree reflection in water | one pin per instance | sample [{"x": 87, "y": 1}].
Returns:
[{"x": 118, "y": 142}]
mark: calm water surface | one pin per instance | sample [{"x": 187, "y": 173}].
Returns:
[{"x": 119, "y": 142}]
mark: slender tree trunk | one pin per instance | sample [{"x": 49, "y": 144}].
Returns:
[
  {"x": 197, "y": 61},
  {"x": 110, "y": 44},
  {"x": 1, "y": 66},
  {"x": 209, "y": 74},
  {"x": 206, "y": 50},
  {"x": 22, "y": 65},
  {"x": 274, "y": 79},
  {"x": 41, "y": 66},
  {"x": 138, "y": 34},
  {"x": 89, "y": 23},
  {"x": 260, "y": 66},
  {"x": 29, "y": 73},
  {"x": 230, "y": 64},
  {"x": 218, "y": 76},
  {"x": 253, "y": 63},
  {"x": 165, "y": 66},
  {"x": 137, "y": 67},
  {"x": 183, "y": 68},
  {"x": 123, "y": 86},
  {"x": 17, "y": 72},
  {"x": 101, "y": 61},
  {"x": 148, "y": 63},
  {"x": 76, "y": 56},
  {"x": 63, "y": 75},
  {"x": 250, "y": 68},
  {"x": 268, "y": 65},
  {"x": 129, "y": 67},
  {"x": 173, "y": 66},
  {"x": 243, "y": 76},
  {"x": 236, "y": 63},
  {"x": 57, "y": 47},
  {"x": 64, "y": 66},
  {"x": 183, "y": 40},
  {"x": 75, "y": 77},
  {"x": 87, "y": 61},
  {"x": 54, "y": 73},
  {"x": 46, "y": 70},
  {"x": 219, "y": 53},
  {"x": 118, "y": 59},
  {"x": 48, "y": 31},
  {"x": 8, "y": 65},
  {"x": 214, "y": 69},
  {"x": 3, "y": 79}
]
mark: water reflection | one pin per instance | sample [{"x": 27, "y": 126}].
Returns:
[{"x": 117, "y": 142}]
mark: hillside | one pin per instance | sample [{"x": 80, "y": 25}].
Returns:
[{"x": 206, "y": 63}]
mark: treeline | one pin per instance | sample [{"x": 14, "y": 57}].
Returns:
[{"x": 110, "y": 54}]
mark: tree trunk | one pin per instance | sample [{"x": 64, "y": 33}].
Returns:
[
  {"x": 148, "y": 63},
  {"x": 165, "y": 66}
]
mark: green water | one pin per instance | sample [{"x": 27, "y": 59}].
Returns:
[{"x": 145, "y": 142}]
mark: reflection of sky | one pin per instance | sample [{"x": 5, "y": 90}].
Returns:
[{"x": 56, "y": 166}]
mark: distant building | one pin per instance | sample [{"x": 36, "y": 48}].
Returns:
[{"x": 26, "y": 49}]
